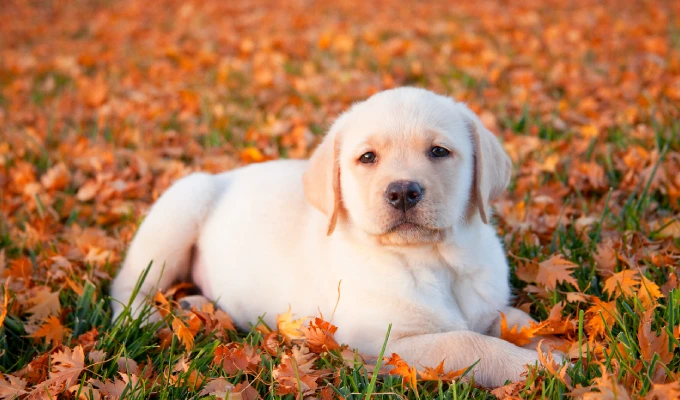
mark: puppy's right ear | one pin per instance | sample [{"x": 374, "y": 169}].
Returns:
[
  {"x": 322, "y": 177},
  {"x": 492, "y": 166}
]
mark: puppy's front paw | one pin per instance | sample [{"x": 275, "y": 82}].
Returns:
[{"x": 189, "y": 302}]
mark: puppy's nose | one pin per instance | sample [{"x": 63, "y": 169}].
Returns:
[{"x": 403, "y": 195}]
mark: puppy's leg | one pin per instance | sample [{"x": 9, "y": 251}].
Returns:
[
  {"x": 498, "y": 360},
  {"x": 165, "y": 239}
]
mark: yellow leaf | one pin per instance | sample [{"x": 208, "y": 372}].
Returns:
[
  {"x": 288, "y": 327},
  {"x": 648, "y": 292}
]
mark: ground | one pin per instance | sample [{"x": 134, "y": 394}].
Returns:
[{"x": 104, "y": 104}]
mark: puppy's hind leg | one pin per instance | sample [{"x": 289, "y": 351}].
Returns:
[{"x": 164, "y": 241}]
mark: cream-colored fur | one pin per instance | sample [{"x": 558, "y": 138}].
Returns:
[{"x": 286, "y": 233}]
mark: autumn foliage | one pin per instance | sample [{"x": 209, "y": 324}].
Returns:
[{"x": 104, "y": 104}]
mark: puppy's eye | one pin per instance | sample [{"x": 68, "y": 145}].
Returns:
[
  {"x": 438, "y": 151},
  {"x": 368, "y": 158}
]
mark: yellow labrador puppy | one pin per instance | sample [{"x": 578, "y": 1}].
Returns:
[{"x": 394, "y": 204}]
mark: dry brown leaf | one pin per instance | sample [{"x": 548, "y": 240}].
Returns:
[
  {"x": 113, "y": 389},
  {"x": 555, "y": 270},
  {"x": 218, "y": 387},
  {"x": 224, "y": 320},
  {"x": 11, "y": 387},
  {"x": 294, "y": 368},
  {"x": 608, "y": 388},
  {"x": 664, "y": 391},
  {"x": 605, "y": 259},
  {"x": 67, "y": 365},
  {"x": 650, "y": 343},
  {"x": 45, "y": 303}
]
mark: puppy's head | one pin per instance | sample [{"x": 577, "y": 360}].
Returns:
[{"x": 406, "y": 166}]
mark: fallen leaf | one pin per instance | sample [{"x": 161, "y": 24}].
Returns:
[
  {"x": 52, "y": 330},
  {"x": 180, "y": 330},
  {"x": 664, "y": 391},
  {"x": 11, "y": 387},
  {"x": 288, "y": 327},
  {"x": 555, "y": 270},
  {"x": 296, "y": 374},
  {"x": 515, "y": 335},
  {"x": 319, "y": 336},
  {"x": 438, "y": 374},
  {"x": 403, "y": 369},
  {"x": 626, "y": 281}
]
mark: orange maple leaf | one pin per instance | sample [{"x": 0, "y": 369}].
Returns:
[
  {"x": 515, "y": 335},
  {"x": 626, "y": 281},
  {"x": 555, "y": 324},
  {"x": 600, "y": 316},
  {"x": 184, "y": 334},
  {"x": 437, "y": 373},
  {"x": 52, "y": 330},
  {"x": 234, "y": 358},
  {"x": 5, "y": 302},
  {"x": 319, "y": 336},
  {"x": 403, "y": 369}
]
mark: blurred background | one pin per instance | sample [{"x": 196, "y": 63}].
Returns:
[{"x": 103, "y": 104}]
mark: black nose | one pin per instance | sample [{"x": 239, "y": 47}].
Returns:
[{"x": 403, "y": 195}]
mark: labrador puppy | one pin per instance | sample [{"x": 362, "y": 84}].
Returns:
[{"x": 393, "y": 206}]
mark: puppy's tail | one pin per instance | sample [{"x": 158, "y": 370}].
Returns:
[{"x": 164, "y": 241}]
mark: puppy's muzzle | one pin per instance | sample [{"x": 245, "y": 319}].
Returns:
[{"x": 404, "y": 195}]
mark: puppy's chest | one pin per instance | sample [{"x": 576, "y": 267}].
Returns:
[{"x": 461, "y": 301}]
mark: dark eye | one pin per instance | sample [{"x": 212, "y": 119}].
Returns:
[
  {"x": 439, "y": 152},
  {"x": 367, "y": 158}
]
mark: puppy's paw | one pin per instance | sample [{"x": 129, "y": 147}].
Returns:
[{"x": 189, "y": 302}]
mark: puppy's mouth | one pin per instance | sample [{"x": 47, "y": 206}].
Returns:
[
  {"x": 404, "y": 226},
  {"x": 407, "y": 232}
]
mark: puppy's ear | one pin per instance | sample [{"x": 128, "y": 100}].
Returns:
[
  {"x": 322, "y": 177},
  {"x": 492, "y": 166}
]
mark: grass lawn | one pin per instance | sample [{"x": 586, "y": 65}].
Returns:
[{"x": 104, "y": 104}]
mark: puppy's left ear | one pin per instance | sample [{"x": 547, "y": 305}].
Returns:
[
  {"x": 492, "y": 166},
  {"x": 322, "y": 177}
]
